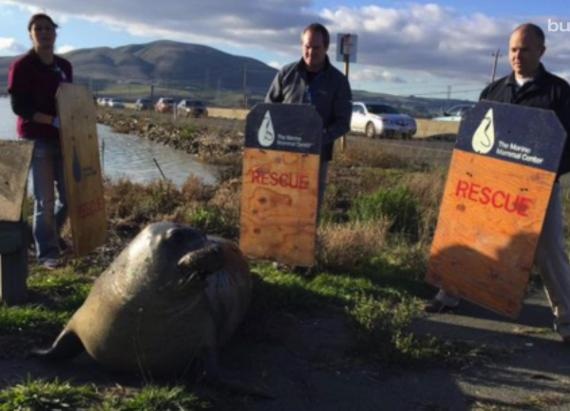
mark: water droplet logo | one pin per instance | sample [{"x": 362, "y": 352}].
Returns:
[
  {"x": 76, "y": 166},
  {"x": 266, "y": 133},
  {"x": 484, "y": 137}
]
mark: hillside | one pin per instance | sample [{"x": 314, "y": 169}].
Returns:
[
  {"x": 192, "y": 70},
  {"x": 166, "y": 64}
]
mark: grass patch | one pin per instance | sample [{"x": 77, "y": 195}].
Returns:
[
  {"x": 54, "y": 296},
  {"x": 155, "y": 398},
  {"x": 344, "y": 247},
  {"x": 39, "y": 395},
  {"x": 380, "y": 314},
  {"x": 30, "y": 319},
  {"x": 397, "y": 205},
  {"x": 382, "y": 329}
]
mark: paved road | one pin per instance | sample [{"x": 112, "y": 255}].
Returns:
[{"x": 433, "y": 151}]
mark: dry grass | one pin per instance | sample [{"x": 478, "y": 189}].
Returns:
[
  {"x": 427, "y": 188},
  {"x": 346, "y": 246},
  {"x": 195, "y": 190},
  {"x": 139, "y": 203},
  {"x": 359, "y": 154}
]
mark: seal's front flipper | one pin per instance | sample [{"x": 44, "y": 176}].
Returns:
[
  {"x": 66, "y": 346},
  {"x": 202, "y": 262}
]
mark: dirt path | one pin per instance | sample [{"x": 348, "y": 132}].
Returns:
[{"x": 303, "y": 363}]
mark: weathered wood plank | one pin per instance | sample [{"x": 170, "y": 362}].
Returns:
[
  {"x": 84, "y": 184},
  {"x": 15, "y": 158}
]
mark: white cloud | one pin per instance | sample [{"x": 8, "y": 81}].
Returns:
[
  {"x": 425, "y": 38},
  {"x": 66, "y": 48},
  {"x": 370, "y": 74},
  {"x": 10, "y": 47},
  {"x": 275, "y": 64}
]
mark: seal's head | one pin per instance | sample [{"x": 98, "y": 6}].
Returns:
[{"x": 167, "y": 257}]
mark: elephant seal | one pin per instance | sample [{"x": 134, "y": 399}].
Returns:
[{"x": 171, "y": 295}]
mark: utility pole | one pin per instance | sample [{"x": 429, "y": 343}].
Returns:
[
  {"x": 219, "y": 86},
  {"x": 449, "y": 92},
  {"x": 244, "y": 85},
  {"x": 494, "y": 69}
]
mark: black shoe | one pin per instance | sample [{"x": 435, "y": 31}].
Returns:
[{"x": 435, "y": 306}]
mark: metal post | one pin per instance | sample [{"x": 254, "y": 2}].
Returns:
[
  {"x": 494, "y": 70},
  {"x": 244, "y": 86},
  {"x": 346, "y": 71}
]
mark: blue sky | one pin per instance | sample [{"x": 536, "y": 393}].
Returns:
[{"x": 405, "y": 47}]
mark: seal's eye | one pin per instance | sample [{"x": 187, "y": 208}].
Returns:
[{"x": 175, "y": 235}]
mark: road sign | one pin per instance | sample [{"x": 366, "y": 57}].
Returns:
[
  {"x": 281, "y": 183},
  {"x": 82, "y": 170},
  {"x": 496, "y": 195},
  {"x": 346, "y": 46}
]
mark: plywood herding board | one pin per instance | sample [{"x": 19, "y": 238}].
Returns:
[
  {"x": 489, "y": 223},
  {"x": 279, "y": 206},
  {"x": 84, "y": 184}
]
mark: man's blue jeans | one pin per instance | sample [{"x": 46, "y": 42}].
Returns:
[{"x": 50, "y": 211}]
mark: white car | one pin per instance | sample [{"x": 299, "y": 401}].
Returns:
[
  {"x": 115, "y": 103},
  {"x": 381, "y": 120}
]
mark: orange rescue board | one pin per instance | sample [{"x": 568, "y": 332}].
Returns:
[
  {"x": 82, "y": 169},
  {"x": 279, "y": 206},
  {"x": 494, "y": 203},
  {"x": 281, "y": 183}
]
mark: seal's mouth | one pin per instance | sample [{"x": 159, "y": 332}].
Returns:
[{"x": 195, "y": 266}]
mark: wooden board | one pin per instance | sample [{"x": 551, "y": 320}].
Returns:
[
  {"x": 281, "y": 183},
  {"x": 83, "y": 179},
  {"x": 15, "y": 158},
  {"x": 487, "y": 230},
  {"x": 496, "y": 195},
  {"x": 279, "y": 206}
]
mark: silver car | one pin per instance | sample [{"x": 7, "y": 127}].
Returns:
[{"x": 381, "y": 120}]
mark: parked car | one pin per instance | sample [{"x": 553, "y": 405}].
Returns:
[
  {"x": 115, "y": 103},
  {"x": 455, "y": 113},
  {"x": 143, "y": 104},
  {"x": 164, "y": 105},
  {"x": 193, "y": 108},
  {"x": 102, "y": 101},
  {"x": 381, "y": 120}
]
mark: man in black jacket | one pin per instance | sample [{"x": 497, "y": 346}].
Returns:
[
  {"x": 313, "y": 80},
  {"x": 531, "y": 85}
]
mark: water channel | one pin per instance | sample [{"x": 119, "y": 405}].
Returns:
[{"x": 130, "y": 157}]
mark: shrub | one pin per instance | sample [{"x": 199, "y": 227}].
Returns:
[
  {"x": 346, "y": 246},
  {"x": 141, "y": 203},
  {"x": 396, "y": 204}
]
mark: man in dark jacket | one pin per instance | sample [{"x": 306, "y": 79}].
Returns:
[
  {"x": 313, "y": 80},
  {"x": 531, "y": 85}
]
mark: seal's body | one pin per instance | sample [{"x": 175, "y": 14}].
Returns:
[{"x": 170, "y": 296}]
